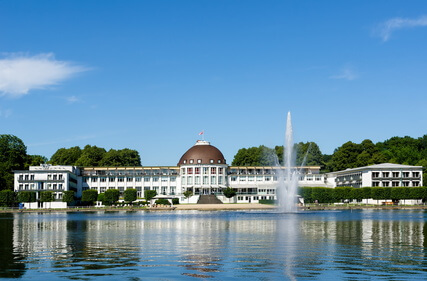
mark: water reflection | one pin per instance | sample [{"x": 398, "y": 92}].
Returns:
[{"x": 215, "y": 245}]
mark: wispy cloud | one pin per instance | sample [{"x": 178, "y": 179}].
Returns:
[
  {"x": 346, "y": 73},
  {"x": 19, "y": 74},
  {"x": 72, "y": 99},
  {"x": 385, "y": 29},
  {"x": 5, "y": 113}
]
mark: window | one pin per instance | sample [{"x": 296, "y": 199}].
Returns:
[
  {"x": 415, "y": 183},
  {"x": 375, "y": 174},
  {"x": 405, "y": 183},
  {"x": 60, "y": 177},
  {"x": 60, "y": 186},
  {"x": 173, "y": 179},
  {"x": 147, "y": 179},
  {"x": 199, "y": 161},
  {"x": 386, "y": 183},
  {"x": 189, "y": 180},
  {"x": 21, "y": 177},
  {"x": 129, "y": 179},
  {"x": 205, "y": 170},
  {"x": 183, "y": 171},
  {"x": 55, "y": 177},
  {"x": 155, "y": 179},
  {"x": 205, "y": 180},
  {"x": 197, "y": 180},
  {"x": 375, "y": 183},
  {"x": 242, "y": 178},
  {"x": 197, "y": 171},
  {"x": 416, "y": 174},
  {"x": 191, "y": 161},
  {"x": 111, "y": 179},
  {"x": 183, "y": 180},
  {"x": 103, "y": 179},
  {"x": 138, "y": 179},
  {"x": 211, "y": 161},
  {"x": 405, "y": 174},
  {"x": 120, "y": 179},
  {"x": 219, "y": 161},
  {"x": 26, "y": 177},
  {"x": 220, "y": 171},
  {"x": 185, "y": 161},
  {"x": 220, "y": 180},
  {"x": 395, "y": 174},
  {"x": 233, "y": 178},
  {"x": 395, "y": 183},
  {"x": 213, "y": 170},
  {"x": 164, "y": 189},
  {"x": 190, "y": 171},
  {"x": 94, "y": 179},
  {"x": 213, "y": 179},
  {"x": 386, "y": 174},
  {"x": 32, "y": 177}
]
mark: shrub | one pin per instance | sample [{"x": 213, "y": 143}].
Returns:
[
  {"x": 68, "y": 196},
  {"x": 26, "y": 196},
  {"x": 7, "y": 198},
  {"x": 268, "y": 202},
  {"x": 89, "y": 196},
  {"x": 229, "y": 192},
  {"x": 162, "y": 202},
  {"x": 46, "y": 196},
  {"x": 149, "y": 194},
  {"x": 111, "y": 196},
  {"x": 130, "y": 195},
  {"x": 175, "y": 201}
]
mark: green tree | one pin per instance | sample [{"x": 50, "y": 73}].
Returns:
[
  {"x": 68, "y": 196},
  {"x": 305, "y": 192},
  {"x": 130, "y": 195},
  {"x": 187, "y": 194},
  {"x": 91, "y": 156},
  {"x": 7, "y": 198},
  {"x": 322, "y": 195},
  {"x": 111, "y": 196},
  {"x": 124, "y": 158},
  {"x": 149, "y": 194},
  {"x": 13, "y": 155},
  {"x": 308, "y": 154},
  {"x": 89, "y": 196},
  {"x": 66, "y": 156},
  {"x": 26, "y": 196},
  {"x": 35, "y": 160},
  {"x": 229, "y": 192}
]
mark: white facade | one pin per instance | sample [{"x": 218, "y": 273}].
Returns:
[{"x": 383, "y": 175}]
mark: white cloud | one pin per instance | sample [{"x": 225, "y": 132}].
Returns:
[
  {"x": 72, "y": 99},
  {"x": 346, "y": 74},
  {"x": 20, "y": 74},
  {"x": 385, "y": 29}
]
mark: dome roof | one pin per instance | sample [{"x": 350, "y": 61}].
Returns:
[{"x": 202, "y": 153}]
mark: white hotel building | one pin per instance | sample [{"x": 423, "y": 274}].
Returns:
[{"x": 203, "y": 170}]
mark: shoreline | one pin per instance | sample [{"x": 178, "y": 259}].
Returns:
[{"x": 217, "y": 207}]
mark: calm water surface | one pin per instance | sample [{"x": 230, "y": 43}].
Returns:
[{"x": 196, "y": 245}]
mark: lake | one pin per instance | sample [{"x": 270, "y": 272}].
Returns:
[{"x": 219, "y": 245}]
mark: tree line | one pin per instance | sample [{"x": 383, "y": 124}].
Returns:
[
  {"x": 13, "y": 156},
  {"x": 398, "y": 150},
  {"x": 340, "y": 194}
]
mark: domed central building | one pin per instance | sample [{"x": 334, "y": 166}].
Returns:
[{"x": 203, "y": 169}]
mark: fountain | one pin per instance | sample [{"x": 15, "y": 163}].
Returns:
[{"x": 288, "y": 178}]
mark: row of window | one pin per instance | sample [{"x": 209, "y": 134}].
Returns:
[
  {"x": 205, "y": 180},
  {"x": 274, "y": 178},
  {"x": 204, "y": 170},
  {"x": 395, "y": 174},
  {"x": 164, "y": 190},
  {"x": 128, "y": 179},
  {"x": 395, "y": 183},
  {"x": 48, "y": 186},
  {"x": 199, "y": 161},
  {"x": 30, "y": 177}
]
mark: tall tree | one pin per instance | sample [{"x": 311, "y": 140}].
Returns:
[
  {"x": 13, "y": 156},
  {"x": 90, "y": 156},
  {"x": 66, "y": 156}
]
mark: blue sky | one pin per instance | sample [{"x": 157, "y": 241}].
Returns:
[{"x": 150, "y": 75}]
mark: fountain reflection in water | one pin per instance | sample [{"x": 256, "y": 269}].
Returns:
[{"x": 288, "y": 178}]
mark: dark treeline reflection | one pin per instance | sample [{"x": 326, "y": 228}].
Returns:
[{"x": 11, "y": 264}]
